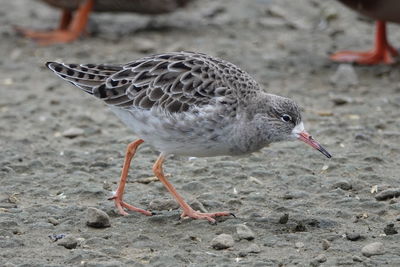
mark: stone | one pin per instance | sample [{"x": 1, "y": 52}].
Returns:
[
  {"x": 372, "y": 249},
  {"x": 69, "y": 242},
  {"x": 244, "y": 232},
  {"x": 390, "y": 230},
  {"x": 345, "y": 76},
  {"x": 253, "y": 248},
  {"x": 326, "y": 244},
  {"x": 339, "y": 100},
  {"x": 222, "y": 241},
  {"x": 321, "y": 258},
  {"x": 353, "y": 236},
  {"x": 56, "y": 237},
  {"x": 388, "y": 193},
  {"x": 53, "y": 221},
  {"x": 299, "y": 244},
  {"x": 73, "y": 132},
  {"x": 197, "y": 205},
  {"x": 284, "y": 218},
  {"x": 344, "y": 185},
  {"x": 97, "y": 218},
  {"x": 163, "y": 204}
]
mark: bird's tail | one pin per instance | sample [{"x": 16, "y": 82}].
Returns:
[{"x": 85, "y": 76}]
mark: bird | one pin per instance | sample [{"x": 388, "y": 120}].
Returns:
[
  {"x": 72, "y": 26},
  {"x": 188, "y": 104},
  {"x": 382, "y": 11}
]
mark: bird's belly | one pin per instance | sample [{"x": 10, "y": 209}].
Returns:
[
  {"x": 388, "y": 10},
  {"x": 173, "y": 137},
  {"x": 193, "y": 148},
  {"x": 142, "y": 6}
]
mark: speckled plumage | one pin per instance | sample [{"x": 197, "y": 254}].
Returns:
[{"x": 188, "y": 103}]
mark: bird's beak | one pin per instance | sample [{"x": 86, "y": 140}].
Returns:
[{"x": 307, "y": 138}]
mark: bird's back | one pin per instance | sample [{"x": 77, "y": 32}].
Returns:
[{"x": 175, "y": 101}]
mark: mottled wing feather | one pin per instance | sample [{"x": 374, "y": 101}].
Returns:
[
  {"x": 173, "y": 81},
  {"x": 84, "y": 76}
]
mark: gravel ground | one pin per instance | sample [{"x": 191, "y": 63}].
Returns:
[{"x": 62, "y": 151}]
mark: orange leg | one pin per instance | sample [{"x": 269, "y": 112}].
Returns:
[
  {"x": 69, "y": 30},
  {"x": 130, "y": 152},
  {"x": 383, "y": 52},
  {"x": 187, "y": 210},
  {"x": 66, "y": 18}
]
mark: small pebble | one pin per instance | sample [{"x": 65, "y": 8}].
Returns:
[
  {"x": 222, "y": 241},
  {"x": 345, "y": 76},
  {"x": 353, "y": 236},
  {"x": 56, "y": 237},
  {"x": 390, "y": 230},
  {"x": 97, "y": 218},
  {"x": 388, "y": 193},
  {"x": 284, "y": 218},
  {"x": 73, "y": 132},
  {"x": 253, "y": 248},
  {"x": 344, "y": 185},
  {"x": 53, "y": 221},
  {"x": 197, "y": 205},
  {"x": 163, "y": 204},
  {"x": 326, "y": 244},
  {"x": 372, "y": 249},
  {"x": 340, "y": 100},
  {"x": 300, "y": 227},
  {"x": 244, "y": 232},
  {"x": 68, "y": 242},
  {"x": 321, "y": 258},
  {"x": 362, "y": 137},
  {"x": 357, "y": 258},
  {"x": 299, "y": 244}
]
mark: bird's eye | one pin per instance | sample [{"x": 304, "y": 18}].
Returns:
[{"x": 286, "y": 118}]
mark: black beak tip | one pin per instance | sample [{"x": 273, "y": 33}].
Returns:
[{"x": 325, "y": 152}]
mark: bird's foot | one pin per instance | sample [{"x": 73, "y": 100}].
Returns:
[
  {"x": 50, "y": 37},
  {"x": 205, "y": 216},
  {"x": 121, "y": 205},
  {"x": 385, "y": 56}
]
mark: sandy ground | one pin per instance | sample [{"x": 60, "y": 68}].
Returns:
[{"x": 48, "y": 181}]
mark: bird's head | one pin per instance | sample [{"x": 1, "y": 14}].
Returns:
[{"x": 283, "y": 118}]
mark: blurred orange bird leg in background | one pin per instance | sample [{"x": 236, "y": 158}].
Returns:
[
  {"x": 70, "y": 28},
  {"x": 383, "y": 52}
]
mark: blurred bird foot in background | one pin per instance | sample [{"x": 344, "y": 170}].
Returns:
[
  {"x": 51, "y": 37},
  {"x": 385, "y": 56},
  {"x": 383, "y": 52},
  {"x": 70, "y": 28}
]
